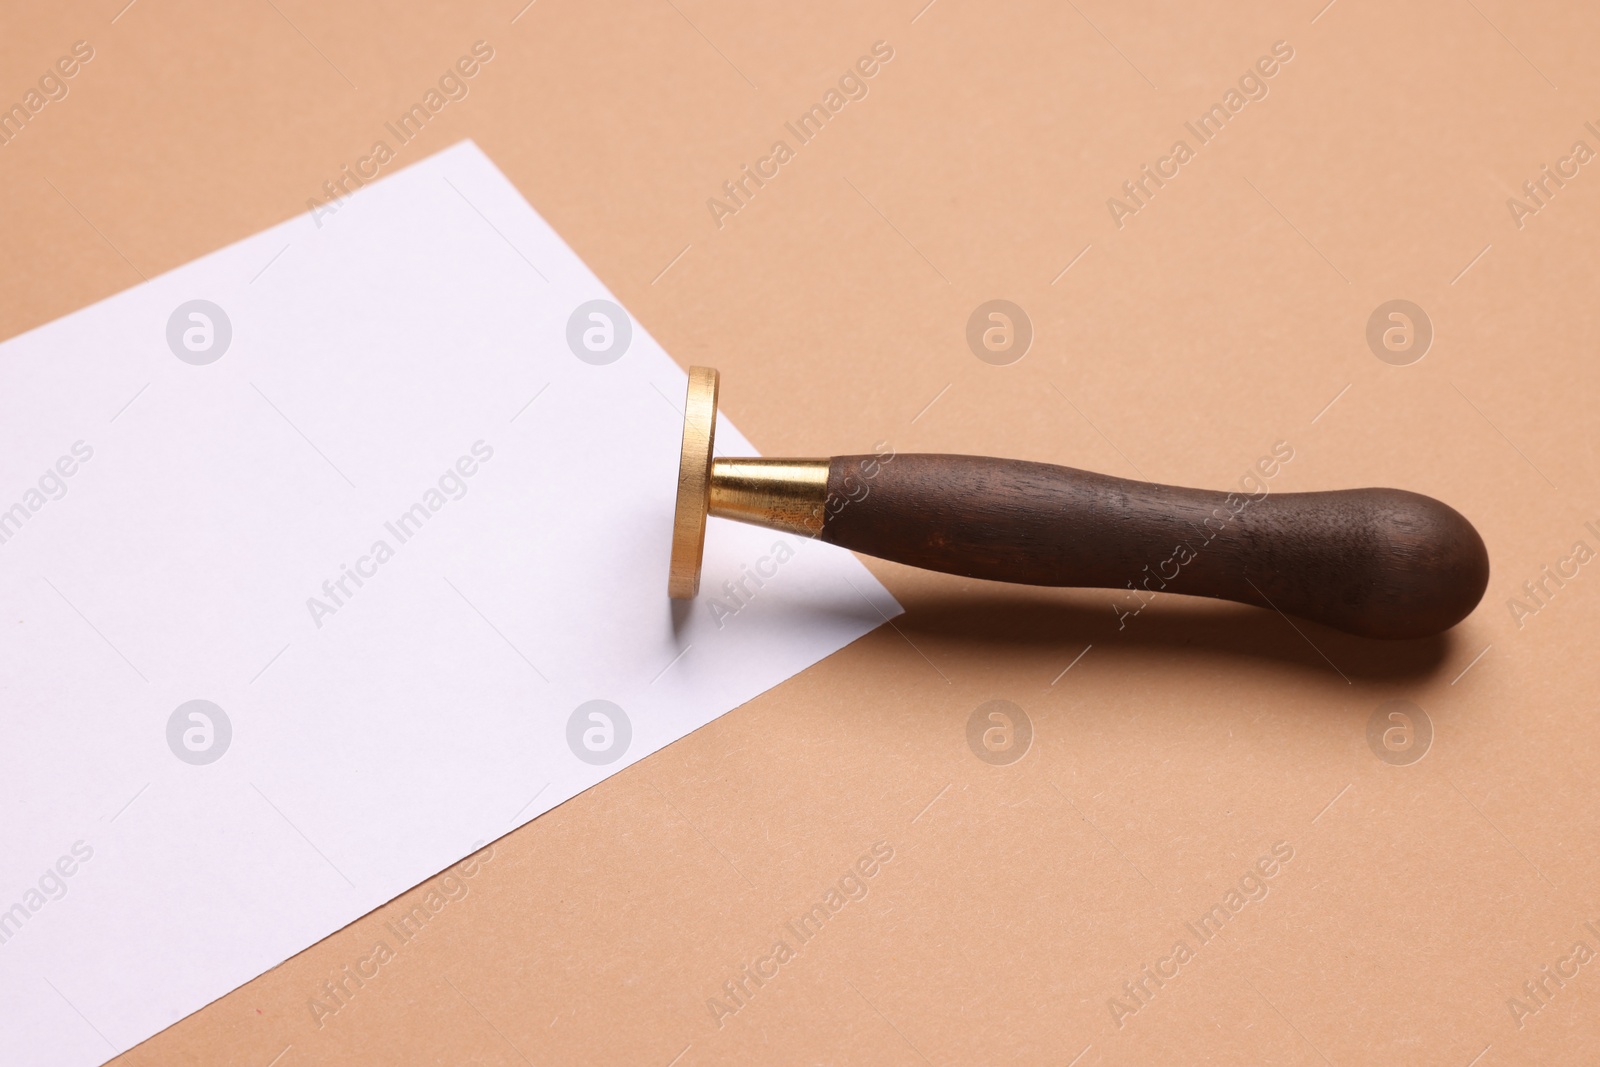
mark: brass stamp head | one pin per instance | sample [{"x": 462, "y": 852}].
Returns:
[
  {"x": 780, "y": 494},
  {"x": 694, "y": 484}
]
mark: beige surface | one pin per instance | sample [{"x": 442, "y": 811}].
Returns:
[{"x": 1221, "y": 318}]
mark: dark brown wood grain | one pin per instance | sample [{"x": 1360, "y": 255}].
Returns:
[{"x": 1375, "y": 562}]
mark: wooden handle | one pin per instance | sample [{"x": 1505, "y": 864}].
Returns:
[{"x": 1373, "y": 562}]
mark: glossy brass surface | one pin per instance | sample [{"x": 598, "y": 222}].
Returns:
[
  {"x": 694, "y": 483},
  {"x": 782, "y": 494}
]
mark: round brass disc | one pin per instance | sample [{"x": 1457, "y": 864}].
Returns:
[{"x": 694, "y": 484}]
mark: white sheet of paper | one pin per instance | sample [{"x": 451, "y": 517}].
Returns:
[{"x": 183, "y": 494}]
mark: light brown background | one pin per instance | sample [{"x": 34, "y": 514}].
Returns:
[{"x": 1223, "y": 318}]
